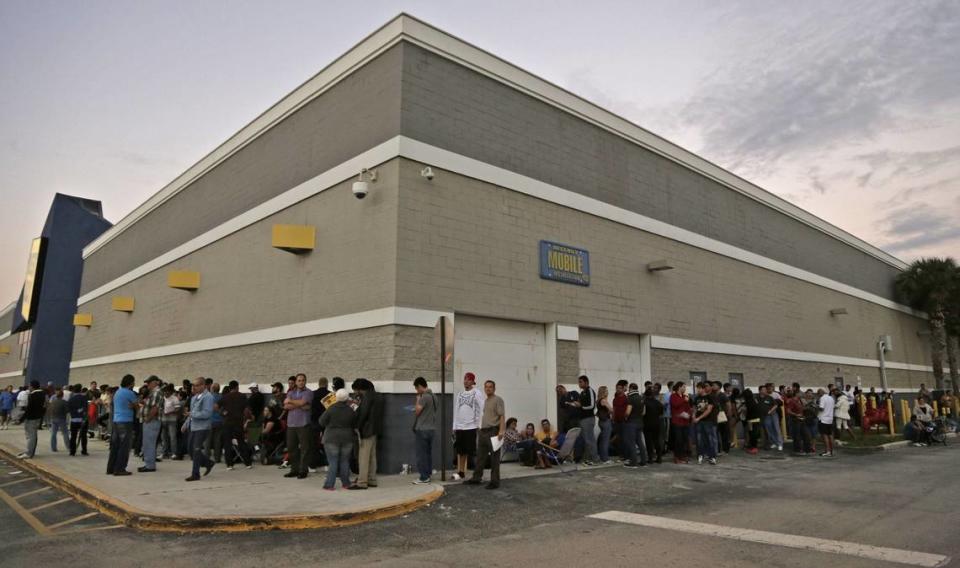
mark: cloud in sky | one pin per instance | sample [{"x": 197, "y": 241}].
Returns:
[{"x": 850, "y": 109}]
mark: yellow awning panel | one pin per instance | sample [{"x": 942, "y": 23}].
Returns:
[
  {"x": 123, "y": 303},
  {"x": 183, "y": 280},
  {"x": 294, "y": 238},
  {"x": 83, "y": 320}
]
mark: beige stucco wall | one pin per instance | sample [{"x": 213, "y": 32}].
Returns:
[
  {"x": 247, "y": 285},
  {"x": 671, "y": 365},
  {"x": 471, "y": 247}
]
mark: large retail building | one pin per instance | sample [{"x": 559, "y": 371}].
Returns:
[{"x": 558, "y": 238}]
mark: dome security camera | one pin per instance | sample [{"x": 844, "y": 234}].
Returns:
[
  {"x": 427, "y": 172},
  {"x": 360, "y": 189}
]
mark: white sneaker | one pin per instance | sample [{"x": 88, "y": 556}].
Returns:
[
  {"x": 229, "y": 468},
  {"x": 699, "y": 460},
  {"x": 421, "y": 482},
  {"x": 456, "y": 477},
  {"x": 312, "y": 469},
  {"x": 22, "y": 455},
  {"x": 780, "y": 448},
  {"x": 284, "y": 465},
  {"x": 249, "y": 466},
  {"x": 607, "y": 462},
  {"x": 713, "y": 461}
]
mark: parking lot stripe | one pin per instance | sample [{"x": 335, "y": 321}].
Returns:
[
  {"x": 46, "y": 505},
  {"x": 34, "y": 492},
  {"x": 92, "y": 529},
  {"x": 73, "y": 520},
  {"x": 24, "y": 514},
  {"x": 778, "y": 539},
  {"x": 21, "y": 480}
]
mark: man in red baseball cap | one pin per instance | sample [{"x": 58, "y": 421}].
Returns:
[{"x": 467, "y": 412}]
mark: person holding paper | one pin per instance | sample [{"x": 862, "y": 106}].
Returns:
[{"x": 490, "y": 438}]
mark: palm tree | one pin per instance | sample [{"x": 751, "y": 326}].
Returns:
[
  {"x": 928, "y": 285},
  {"x": 952, "y": 327}
]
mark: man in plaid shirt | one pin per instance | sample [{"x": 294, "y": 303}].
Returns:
[{"x": 150, "y": 423}]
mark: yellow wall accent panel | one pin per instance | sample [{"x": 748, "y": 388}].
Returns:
[
  {"x": 123, "y": 303},
  {"x": 183, "y": 279},
  {"x": 84, "y": 320},
  {"x": 294, "y": 238}
]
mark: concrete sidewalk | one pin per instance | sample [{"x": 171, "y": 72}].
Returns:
[{"x": 259, "y": 498}]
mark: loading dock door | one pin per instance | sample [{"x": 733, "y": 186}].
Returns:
[
  {"x": 606, "y": 357},
  {"x": 512, "y": 354}
]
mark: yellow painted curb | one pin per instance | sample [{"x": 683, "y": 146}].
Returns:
[{"x": 146, "y": 521}]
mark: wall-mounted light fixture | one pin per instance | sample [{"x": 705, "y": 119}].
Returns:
[
  {"x": 361, "y": 187},
  {"x": 838, "y": 312},
  {"x": 659, "y": 266}
]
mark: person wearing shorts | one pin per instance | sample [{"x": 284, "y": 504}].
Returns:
[
  {"x": 827, "y": 405},
  {"x": 467, "y": 412}
]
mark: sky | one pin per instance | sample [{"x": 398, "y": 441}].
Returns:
[{"x": 850, "y": 110}]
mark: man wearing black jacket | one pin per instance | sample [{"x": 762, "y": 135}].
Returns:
[
  {"x": 369, "y": 424},
  {"x": 77, "y": 407},
  {"x": 33, "y": 416}
]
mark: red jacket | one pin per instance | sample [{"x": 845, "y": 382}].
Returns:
[
  {"x": 619, "y": 407},
  {"x": 679, "y": 405}
]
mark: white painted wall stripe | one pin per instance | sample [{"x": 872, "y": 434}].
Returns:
[
  {"x": 335, "y": 175},
  {"x": 402, "y": 146},
  {"x": 4, "y": 335},
  {"x": 404, "y": 27},
  {"x": 360, "y": 320},
  {"x": 697, "y": 346},
  {"x": 11, "y": 374},
  {"x": 881, "y": 553}
]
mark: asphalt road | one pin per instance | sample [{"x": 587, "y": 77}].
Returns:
[{"x": 905, "y": 499}]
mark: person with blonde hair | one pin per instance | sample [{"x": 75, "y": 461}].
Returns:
[
  {"x": 337, "y": 423},
  {"x": 605, "y": 421}
]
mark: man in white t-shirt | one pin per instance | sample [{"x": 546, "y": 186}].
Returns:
[
  {"x": 467, "y": 412},
  {"x": 826, "y": 404}
]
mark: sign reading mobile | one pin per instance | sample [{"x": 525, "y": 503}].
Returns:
[{"x": 564, "y": 263}]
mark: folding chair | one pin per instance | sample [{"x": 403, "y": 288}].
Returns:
[{"x": 563, "y": 456}]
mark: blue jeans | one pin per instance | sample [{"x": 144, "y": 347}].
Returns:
[
  {"x": 60, "y": 425},
  {"x": 603, "y": 444},
  {"x": 707, "y": 439},
  {"x": 589, "y": 438},
  {"x": 629, "y": 440},
  {"x": 771, "y": 424},
  {"x": 148, "y": 443},
  {"x": 198, "y": 439},
  {"x": 425, "y": 453},
  {"x": 338, "y": 456}
]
